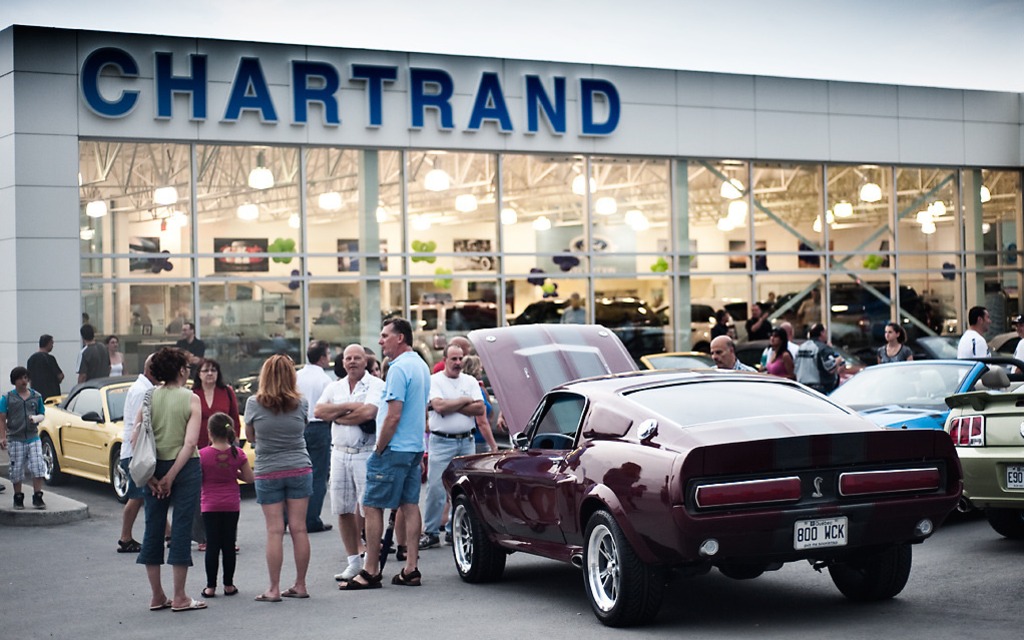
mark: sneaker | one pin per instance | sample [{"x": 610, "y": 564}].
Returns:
[
  {"x": 448, "y": 539},
  {"x": 351, "y": 571},
  {"x": 19, "y": 500},
  {"x": 37, "y": 500},
  {"x": 429, "y": 541}
]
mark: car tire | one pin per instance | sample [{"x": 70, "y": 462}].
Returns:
[
  {"x": 872, "y": 575},
  {"x": 623, "y": 590},
  {"x": 477, "y": 559},
  {"x": 52, "y": 473},
  {"x": 118, "y": 477},
  {"x": 1008, "y": 523}
]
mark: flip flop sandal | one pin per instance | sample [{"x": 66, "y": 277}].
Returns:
[
  {"x": 209, "y": 592},
  {"x": 132, "y": 546},
  {"x": 265, "y": 598},
  {"x": 411, "y": 579},
  {"x": 161, "y": 607},
  {"x": 292, "y": 593},
  {"x": 194, "y": 605},
  {"x": 233, "y": 592}
]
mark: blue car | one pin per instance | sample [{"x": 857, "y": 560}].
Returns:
[{"x": 912, "y": 395}]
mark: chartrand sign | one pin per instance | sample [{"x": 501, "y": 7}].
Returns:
[{"x": 318, "y": 83}]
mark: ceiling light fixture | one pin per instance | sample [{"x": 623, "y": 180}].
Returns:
[
  {"x": 606, "y": 206},
  {"x": 937, "y": 209},
  {"x": 420, "y": 222},
  {"x": 985, "y": 194},
  {"x": 928, "y": 228},
  {"x": 165, "y": 196},
  {"x": 96, "y": 209},
  {"x": 732, "y": 189},
  {"x": 382, "y": 214},
  {"x": 637, "y": 220},
  {"x": 178, "y": 220},
  {"x": 509, "y": 216},
  {"x": 924, "y": 217},
  {"x": 293, "y": 221},
  {"x": 261, "y": 177},
  {"x": 725, "y": 224},
  {"x": 329, "y": 201},
  {"x": 542, "y": 223},
  {"x": 738, "y": 212},
  {"x": 843, "y": 209},
  {"x": 579, "y": 185},
  {"x": 248, "y": 211},
  {"x": 436, "y": 180},
  {"x": 870, "y": 192},
  {"x": 466, "y": 203},
  {"x": 85, "y": 233},
  {"x": 985, "y": 227}
]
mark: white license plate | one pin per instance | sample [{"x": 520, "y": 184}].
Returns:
[
  {"x": 815, "y": 534},
  {"x": 1015, "y": 476}
]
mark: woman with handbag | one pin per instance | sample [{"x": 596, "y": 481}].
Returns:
[
  {"x": 275, "y": 421},
  {"x": 215, "y": 396},
  {"x": 174, "y": 414}
]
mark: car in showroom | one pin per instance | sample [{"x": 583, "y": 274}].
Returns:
[
  {"x": 912, "y": 395},
  {"x": 81, "y": 436},
  {"x": 638, "y": 476},
  {"x": 987, "y": 429}
]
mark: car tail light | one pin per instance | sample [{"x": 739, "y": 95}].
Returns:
[
  {"x": 895, "y": 481},
  {"x": 748, "y": 492},
  {"x": 968, "y": 431}
]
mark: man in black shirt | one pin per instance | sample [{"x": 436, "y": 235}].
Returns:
[
  {"x": 758, "y": 326},
  {"x": 95, "y": 358},
  {"x": 43, "y": 370},
  {"x": 190, "y": 343}
]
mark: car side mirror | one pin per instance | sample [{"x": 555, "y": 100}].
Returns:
[
  {"x": 92, "y": 416},
  {"x": 520, "y": 440}
]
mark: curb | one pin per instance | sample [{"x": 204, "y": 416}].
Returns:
[{"x": 59, "y": 510}]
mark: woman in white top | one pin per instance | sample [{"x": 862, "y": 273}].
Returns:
[{"x": 116, "y": 357}]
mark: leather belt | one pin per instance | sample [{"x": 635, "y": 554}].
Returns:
[
  {"x": 338, "y": 447},
  {"x": 454, "y": 436}
]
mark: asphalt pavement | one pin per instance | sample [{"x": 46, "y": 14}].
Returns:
[{"x": 67, "y": 581}]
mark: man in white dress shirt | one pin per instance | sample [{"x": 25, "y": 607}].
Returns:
[
  {"x": 351, "y": 404},
  {"x": 312, "y": 380},
  {"x": 132, "y": 403}
]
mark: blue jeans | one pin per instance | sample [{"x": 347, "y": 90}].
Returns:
[
  {"x": 318, "y": 445},
  {"x": 442, "y": 451},
  {"x": 185, "y": 500}
]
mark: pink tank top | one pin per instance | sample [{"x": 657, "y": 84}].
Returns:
[{"x": 777, "y": 367}]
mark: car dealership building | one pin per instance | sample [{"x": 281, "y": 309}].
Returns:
[{"x": 279, "y": 193}]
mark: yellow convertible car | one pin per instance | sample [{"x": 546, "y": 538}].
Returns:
[{"x": 81, "y": 436}]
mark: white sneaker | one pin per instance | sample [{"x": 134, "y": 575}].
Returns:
[{"x": 350, "y": 571}]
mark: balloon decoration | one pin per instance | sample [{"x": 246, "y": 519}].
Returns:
[
  {"x": 282, "y": 245},
  {"x": 441, "y": 282},
  {"x": 873, "y": 262},
  {"x": 420, "y": 247},
  {"x": 549, "y": 288},
  {"x": 156, "y": 265},
  {"x": 539, "y": 279},
  {"x": 566, "y": 261},
  {"x": 660, "y": 265},
  {"x": 295, "y": 284},
  {"x": 948, "y": 271}
]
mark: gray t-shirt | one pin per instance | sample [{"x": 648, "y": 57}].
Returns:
[{"x": 280, "y": 444}]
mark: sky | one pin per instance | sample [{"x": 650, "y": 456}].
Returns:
[{"x": 962, "y": 44}]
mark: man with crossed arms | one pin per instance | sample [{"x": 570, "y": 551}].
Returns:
[{"x": 347, "y": 403}]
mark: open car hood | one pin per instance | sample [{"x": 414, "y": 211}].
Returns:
[{"x": 526, "y": 361}]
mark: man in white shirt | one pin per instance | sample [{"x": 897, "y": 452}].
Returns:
[
  {"x": 1018, "y": 323},
  {"x": 349, "y": 402},
  {"x": 132, "y": 403},
  {"x": 455, "y": 402},
  {"x": 312, "y": 380},
  {"x": 972, "y": 343}
]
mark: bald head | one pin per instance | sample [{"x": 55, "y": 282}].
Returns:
[
  {"x": 353, "y": 358},
  {"x": 462, "y": 343},
  {"x": 723, "y": 352},
  {"x": 788, "y": 328}
]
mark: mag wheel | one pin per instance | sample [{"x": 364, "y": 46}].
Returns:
[
  {"x": 118, "y": 477},
  {"x": 623, "y": 590},
  {"x": 873, "y": 575},
  {"x": 52, "y": 474},
  {"x": 476, "y": 557}
]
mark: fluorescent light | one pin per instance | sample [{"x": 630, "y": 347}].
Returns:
[
  {"x": 542, "y": 223},
  {"x": 928, "y": 228},
  {"x": 509, "y": 216},
  {"x": 420, "y": 223},
  {"x": 606, "y": 206},
  {"x": 870, "y": 192},
  {"x": 436, "y": 180},
  {"x": 96, "y": 209},
  {"x": 465, "y": 203},
  {"x": 165, "y": 196},
  {"x": 843, "y": 209},
  {"x": 732, "y": 189},
  {"x": 985, "y": 194},
  {"x": 248, "y": 211},
  {"x": 738, "y": 212},
  {"x": 85, "y": 233},
  {"x": 725, "y": 224},
  {"x": 579, "y": 185},
  {"x": 329, "y": 201},
  {"x": 293, "y": 221}
]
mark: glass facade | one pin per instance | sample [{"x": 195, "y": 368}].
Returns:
[{"x": 267, "y": 247}]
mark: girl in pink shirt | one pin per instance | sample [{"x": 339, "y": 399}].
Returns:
[{"x": 223, "y": 464}]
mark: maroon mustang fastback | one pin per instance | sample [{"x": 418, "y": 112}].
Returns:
[{"x": 634, "y": 476}]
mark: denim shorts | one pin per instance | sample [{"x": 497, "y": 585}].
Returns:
[
  {"x": 392, "y": 479},
  {"x": 274, "y": 490},
  {"x": 134, "y": 492}
]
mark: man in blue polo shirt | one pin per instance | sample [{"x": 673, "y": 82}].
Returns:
[{"x": 393, "y": 469}]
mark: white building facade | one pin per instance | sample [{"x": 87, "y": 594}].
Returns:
[{"x": 275, "y": 194}]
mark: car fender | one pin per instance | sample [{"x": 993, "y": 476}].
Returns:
[{"x": 602, "y": 498}]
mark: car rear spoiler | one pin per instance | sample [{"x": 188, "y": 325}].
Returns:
[{"x": 978, "y": 400}]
